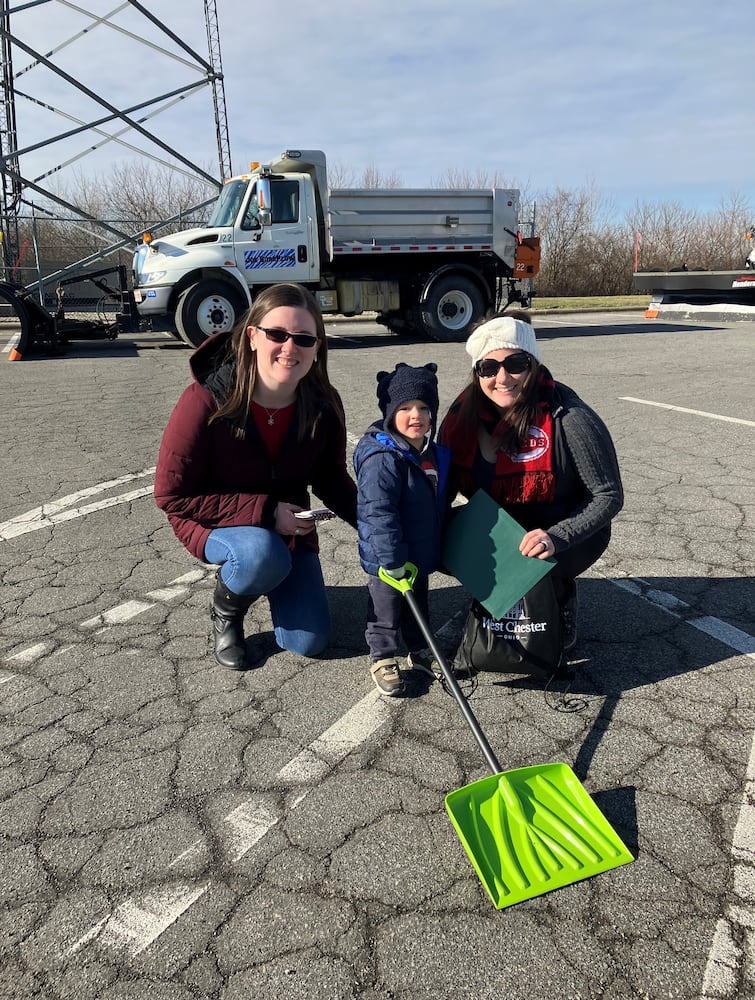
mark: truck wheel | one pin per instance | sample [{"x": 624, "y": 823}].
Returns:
[
  {"x": 453, "y": 305},
  {"x": 206, "y": 308}
]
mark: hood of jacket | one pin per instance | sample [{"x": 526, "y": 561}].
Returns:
[
  {"x": 379, "y": 438},
  {"x": 213, "y": 365}
]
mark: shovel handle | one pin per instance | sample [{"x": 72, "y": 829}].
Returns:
[{"x": 404, "y": 586}]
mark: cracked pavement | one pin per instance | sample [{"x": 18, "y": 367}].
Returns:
[{"x": 172, "y": 830}]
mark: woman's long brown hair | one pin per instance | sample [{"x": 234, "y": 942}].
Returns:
[
  {"x": 520, "y": 416},
  {"x": 312, "y": 392}
]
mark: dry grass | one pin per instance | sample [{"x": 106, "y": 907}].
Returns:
[{"x": 597, "y": 303}]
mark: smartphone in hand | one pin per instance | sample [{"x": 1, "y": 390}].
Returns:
[{"x": 316, "y": 514}]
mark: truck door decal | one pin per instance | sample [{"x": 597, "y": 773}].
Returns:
[{"x": 283, "y": 257}]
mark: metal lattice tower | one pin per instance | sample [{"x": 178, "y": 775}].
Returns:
[
  {"x": 218, "y": 88},
  {"x": 8, "y": 147},
  {"x": 17, "y": 189}
]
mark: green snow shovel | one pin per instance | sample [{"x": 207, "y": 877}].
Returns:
[{"x": 529, "y": 830}]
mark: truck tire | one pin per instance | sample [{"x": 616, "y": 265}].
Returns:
[
  {"x": 206, "y": 308},
  {"x": 454, "y": 304}
]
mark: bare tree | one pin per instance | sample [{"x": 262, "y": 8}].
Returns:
[
  {"x": 565, "y": 222},
  {"x": 721, "y": 239},
  {"x": 340, "y": 176},
  {"x": 605, "y": 262},
  {"x": 374, "y": 178},
  {"x": 477, "y": 180},
  {"x": 137, "y": 195},
  {"x": 666, "y": 234}
]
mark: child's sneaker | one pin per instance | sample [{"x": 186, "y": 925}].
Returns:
[
  {"x": 387, "y": 677},
  {"x": 424, "y": 661}
]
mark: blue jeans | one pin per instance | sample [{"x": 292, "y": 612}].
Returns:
[{"x": 255, "y": 561}]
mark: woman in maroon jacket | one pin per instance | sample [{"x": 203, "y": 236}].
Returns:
[{"x": 259, "y": 425}]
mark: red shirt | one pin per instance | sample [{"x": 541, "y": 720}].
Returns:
[{"x": 272, "y": 425}]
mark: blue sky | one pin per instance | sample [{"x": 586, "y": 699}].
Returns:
[{"x": 648, "y": 101}]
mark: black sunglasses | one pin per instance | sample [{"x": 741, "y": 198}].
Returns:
[
  {"x": 514, "y": 364},
  {"x": 279, "y": 336}
]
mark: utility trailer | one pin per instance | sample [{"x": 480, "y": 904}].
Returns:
[
  {"x": 112, "y": 307},
  {"x": 709, "y": 293},
  {"x": 683, "y": 291}
]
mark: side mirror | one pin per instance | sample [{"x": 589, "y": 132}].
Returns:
[{"x": 264, "y": 201}]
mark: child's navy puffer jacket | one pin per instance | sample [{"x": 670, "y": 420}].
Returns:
[{"x": 400, "y": 516}]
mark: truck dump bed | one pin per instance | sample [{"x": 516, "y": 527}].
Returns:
[{"x": 402, "y": 220}]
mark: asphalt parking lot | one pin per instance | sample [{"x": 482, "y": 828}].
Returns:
[{"x": 173, "y": 831}]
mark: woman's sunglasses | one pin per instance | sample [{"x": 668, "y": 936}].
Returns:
[
  {"x": 279, "y": 336},
  {"x": 514, "y": 364}
]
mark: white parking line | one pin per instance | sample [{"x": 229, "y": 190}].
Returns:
[
  {"x": 336, "y": 743},
  {"x": 13, "y": 342},
  {"x": 583, "y": 319},
  {"x": 684, "y": 409},
  {"x": 133, "y": 926},
  {"x": 63, "y": 510},
  {"x": 31, "y": 654},
  {"x": 734, "y": 938},
  {"x": 727, "y": 634},
  {"x": 138, "y": 921},
  {"x": 118, "y": 614},
  {"x": 127, "y": 610},
  {"x": 248, "y": 824},
  {"x": 178, "y": 587}
]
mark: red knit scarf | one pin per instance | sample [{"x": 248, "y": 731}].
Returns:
[
  {"x": 522, "y": 477},
  {"x": 528, "y": 475}
]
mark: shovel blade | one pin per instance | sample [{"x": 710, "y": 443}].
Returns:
[{"x": 531, "y": 830}]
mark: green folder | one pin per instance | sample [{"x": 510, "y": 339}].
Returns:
[{"x": 481, "y": 550}]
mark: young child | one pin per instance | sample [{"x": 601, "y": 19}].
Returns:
[{"x": 401, "y": 505}]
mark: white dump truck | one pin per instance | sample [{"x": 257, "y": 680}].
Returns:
[{"x": 427, "y": 261}]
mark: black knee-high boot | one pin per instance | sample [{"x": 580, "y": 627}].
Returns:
[{"x": 228, "y": 610}]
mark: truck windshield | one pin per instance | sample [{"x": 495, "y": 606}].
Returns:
[{"x": 228, "y": 204}]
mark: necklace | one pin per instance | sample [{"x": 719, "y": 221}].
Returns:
[{"x": 271, "y": 411}]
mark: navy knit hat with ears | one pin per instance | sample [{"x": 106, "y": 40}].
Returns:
[{"x": 405, "y": 383}]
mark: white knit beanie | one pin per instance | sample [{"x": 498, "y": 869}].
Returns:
[{"x": 502, "y": 332}]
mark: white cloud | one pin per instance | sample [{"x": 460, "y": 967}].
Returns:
[{"x": 646, "y": 99}]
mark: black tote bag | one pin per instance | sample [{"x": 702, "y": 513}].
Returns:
[{"x": 527, "y": 640}]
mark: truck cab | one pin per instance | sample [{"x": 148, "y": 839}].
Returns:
[{"x": 263, "y": 230}]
